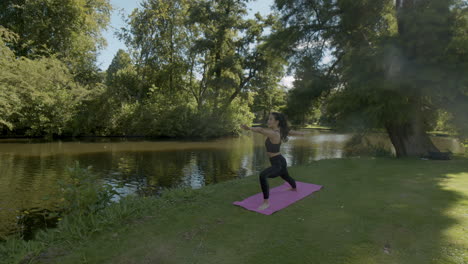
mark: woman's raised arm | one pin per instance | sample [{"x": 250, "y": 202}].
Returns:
[{"x": 257, "y": 129}]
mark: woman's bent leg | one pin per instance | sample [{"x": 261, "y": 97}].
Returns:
[{"x": 270, "y": 172}]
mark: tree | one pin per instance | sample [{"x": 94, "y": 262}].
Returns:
[
  {"x": 204, "y": 48},
  {"x": 159, "y": 41},
  {"x": 122, "y": 79},
  {"x": 37, "y": 97},
  {"x": 235, "y": 59},
  {"x": 268, "y": 99},
  {"x": 67, "y": 28},
  {"x": 395, "y": 63}
]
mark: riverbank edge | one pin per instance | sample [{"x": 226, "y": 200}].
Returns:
[
  {"x": 75, "y": 231},
  {"x": 163, "y": 138}
]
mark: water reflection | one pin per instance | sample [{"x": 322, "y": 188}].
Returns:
[
  {"x": 30, "y": 169},
  {"x": 193, "y": 175}
]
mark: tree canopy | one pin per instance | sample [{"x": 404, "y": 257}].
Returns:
[
  {"x": 393, "y": 64},
  {"x": 69, "y": 29}
]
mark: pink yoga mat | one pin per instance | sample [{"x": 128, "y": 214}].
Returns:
[{"x": 279, "y": 197}]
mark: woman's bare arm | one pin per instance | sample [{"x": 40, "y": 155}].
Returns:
[{"x": 261, "y": 130}]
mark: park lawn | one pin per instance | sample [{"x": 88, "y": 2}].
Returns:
[{"x": 371, "y": 210}]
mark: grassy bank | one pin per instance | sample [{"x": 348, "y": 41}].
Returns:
[{"x": 370, "y": 211}]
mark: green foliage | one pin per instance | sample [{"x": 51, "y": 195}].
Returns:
[
  {"x": 309, "y": 88},
  {"x": 212, "y": 125},
  {"x": 14, "y": 250},
  {"x": 122, "y": 78},
  {"x": 161, "y": 115},
  {"x": 81, "y": 194},
  {"x": 268, "y": 99},
  {"x": 358, "y": 145},
  {"x": 444, "y": 122},
  {"x": 9, "y": 100},
  {"x": 67, "y": 28},
  {"x": 79, "y": 228},
  {"x": 96, "y": 110},
  {"x": 85, "y": 208},
  {"x": 37, "y": 97},
  {"x": 191, "y": 69},
  {"x": 159, "y": 41},
  {"x": 175, "y": 42},
  {"x": 84, "y": 193},
  {"x": 379, "y": 64}
]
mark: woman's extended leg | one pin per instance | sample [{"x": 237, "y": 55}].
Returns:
[
  {"x": 285, "y": 174},
  {"x": 289, "y": 179}
]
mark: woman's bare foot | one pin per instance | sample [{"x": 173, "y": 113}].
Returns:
[
  {"x": 292, "y": 189},
  {"x": 264, "y": 205}
]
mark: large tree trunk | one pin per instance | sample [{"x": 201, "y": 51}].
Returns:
[{"x": 410, "y": 138}]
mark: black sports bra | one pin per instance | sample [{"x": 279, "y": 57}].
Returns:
[{"x": 270, "y": 147}]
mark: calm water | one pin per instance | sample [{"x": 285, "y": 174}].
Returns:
[{"x": 29, "y": 169}]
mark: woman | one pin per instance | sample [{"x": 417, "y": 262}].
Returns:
[{"x": 276, "y": 132}]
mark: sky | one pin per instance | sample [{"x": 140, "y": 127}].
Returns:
[{"x": 125, "y": 7}]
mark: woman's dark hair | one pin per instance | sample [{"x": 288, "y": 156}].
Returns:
[{"x": 283, "y": 125}]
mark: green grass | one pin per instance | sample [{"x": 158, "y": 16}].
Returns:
[{"x": 370, "y": 211}]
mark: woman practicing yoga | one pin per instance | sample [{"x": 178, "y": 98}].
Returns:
[{"x": 277, "y": 131}]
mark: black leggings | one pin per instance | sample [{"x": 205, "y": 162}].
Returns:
[{"x": 278, "y": 168}]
